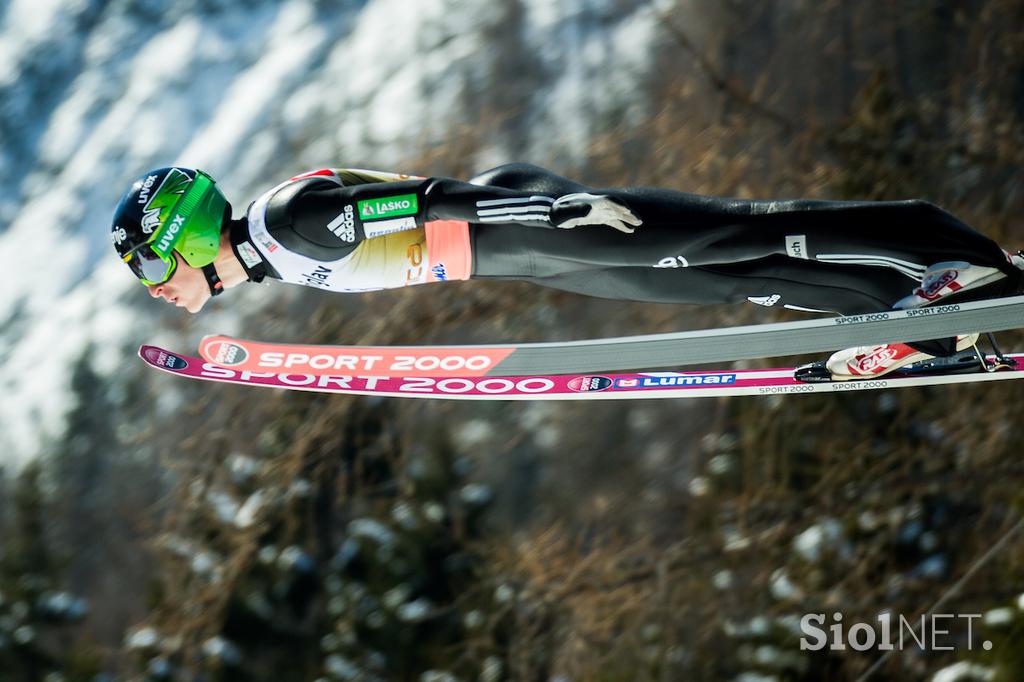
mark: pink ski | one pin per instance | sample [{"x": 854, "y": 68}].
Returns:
[{"x": 604, "y": 386}]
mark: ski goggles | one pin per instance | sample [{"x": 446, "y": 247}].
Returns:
[
  {"x": 154, "y": 262},
  {"x": 149, "y": 266}
]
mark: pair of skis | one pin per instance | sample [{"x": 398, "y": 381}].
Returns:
[{"x": 579, "y": 369}]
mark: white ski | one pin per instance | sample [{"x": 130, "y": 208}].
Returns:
[{"x": 677, "y": 349}]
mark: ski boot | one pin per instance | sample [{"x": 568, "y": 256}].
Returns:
[
  {"x": 953, "y": 277},
  {"x": 872, "y": 362}
]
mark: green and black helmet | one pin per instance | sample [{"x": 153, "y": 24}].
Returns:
[{"x": 168, "y": 210}]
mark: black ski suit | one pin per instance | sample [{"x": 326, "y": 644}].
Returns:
[{"x": 847, "y": 257}]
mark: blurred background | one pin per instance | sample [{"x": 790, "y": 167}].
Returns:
[{"x": 152, "y": 529}]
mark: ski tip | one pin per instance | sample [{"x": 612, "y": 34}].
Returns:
[{"x": 157, "y": 357}]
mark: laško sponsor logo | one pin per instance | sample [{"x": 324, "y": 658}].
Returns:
[{"x": 387, "y": 207}]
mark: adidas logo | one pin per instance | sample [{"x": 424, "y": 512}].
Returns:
[{"x": 344, "y": 226}]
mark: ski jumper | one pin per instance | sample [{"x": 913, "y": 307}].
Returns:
[{"x": 354, "y": 230}]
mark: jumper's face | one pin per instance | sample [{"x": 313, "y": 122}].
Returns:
[{"x": 187, "y": 287}]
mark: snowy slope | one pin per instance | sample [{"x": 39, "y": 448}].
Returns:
[{"x": 93, "y": 93}]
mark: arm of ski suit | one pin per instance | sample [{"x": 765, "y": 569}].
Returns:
[
  {"x": 454, "y": 200},
  {"x": 327, "y": 214},
  {"x": 384, "y": 207}
]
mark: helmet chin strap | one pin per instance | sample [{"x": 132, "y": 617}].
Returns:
[{"x": 213, "y": 280}]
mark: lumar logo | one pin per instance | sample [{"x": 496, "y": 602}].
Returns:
[
  {"x": 388, "y": 207},
  {"x": 167, "y": 195},
  {"x": 667, "y": 381}
]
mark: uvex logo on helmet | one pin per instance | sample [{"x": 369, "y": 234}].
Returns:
[
  {"x": 170, "y": 235},
  {"x": 163, "y": 200}
]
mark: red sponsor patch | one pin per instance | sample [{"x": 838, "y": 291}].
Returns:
[{"x": 224, "y": 353}]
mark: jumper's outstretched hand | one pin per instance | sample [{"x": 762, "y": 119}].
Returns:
[{"x": 573, "y": 210}]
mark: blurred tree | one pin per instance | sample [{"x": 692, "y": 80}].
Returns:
[
  {"x": 353, "y": 558},
  {"x": 34, "y": 612},
  {"x": 81, "y": 470}
]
